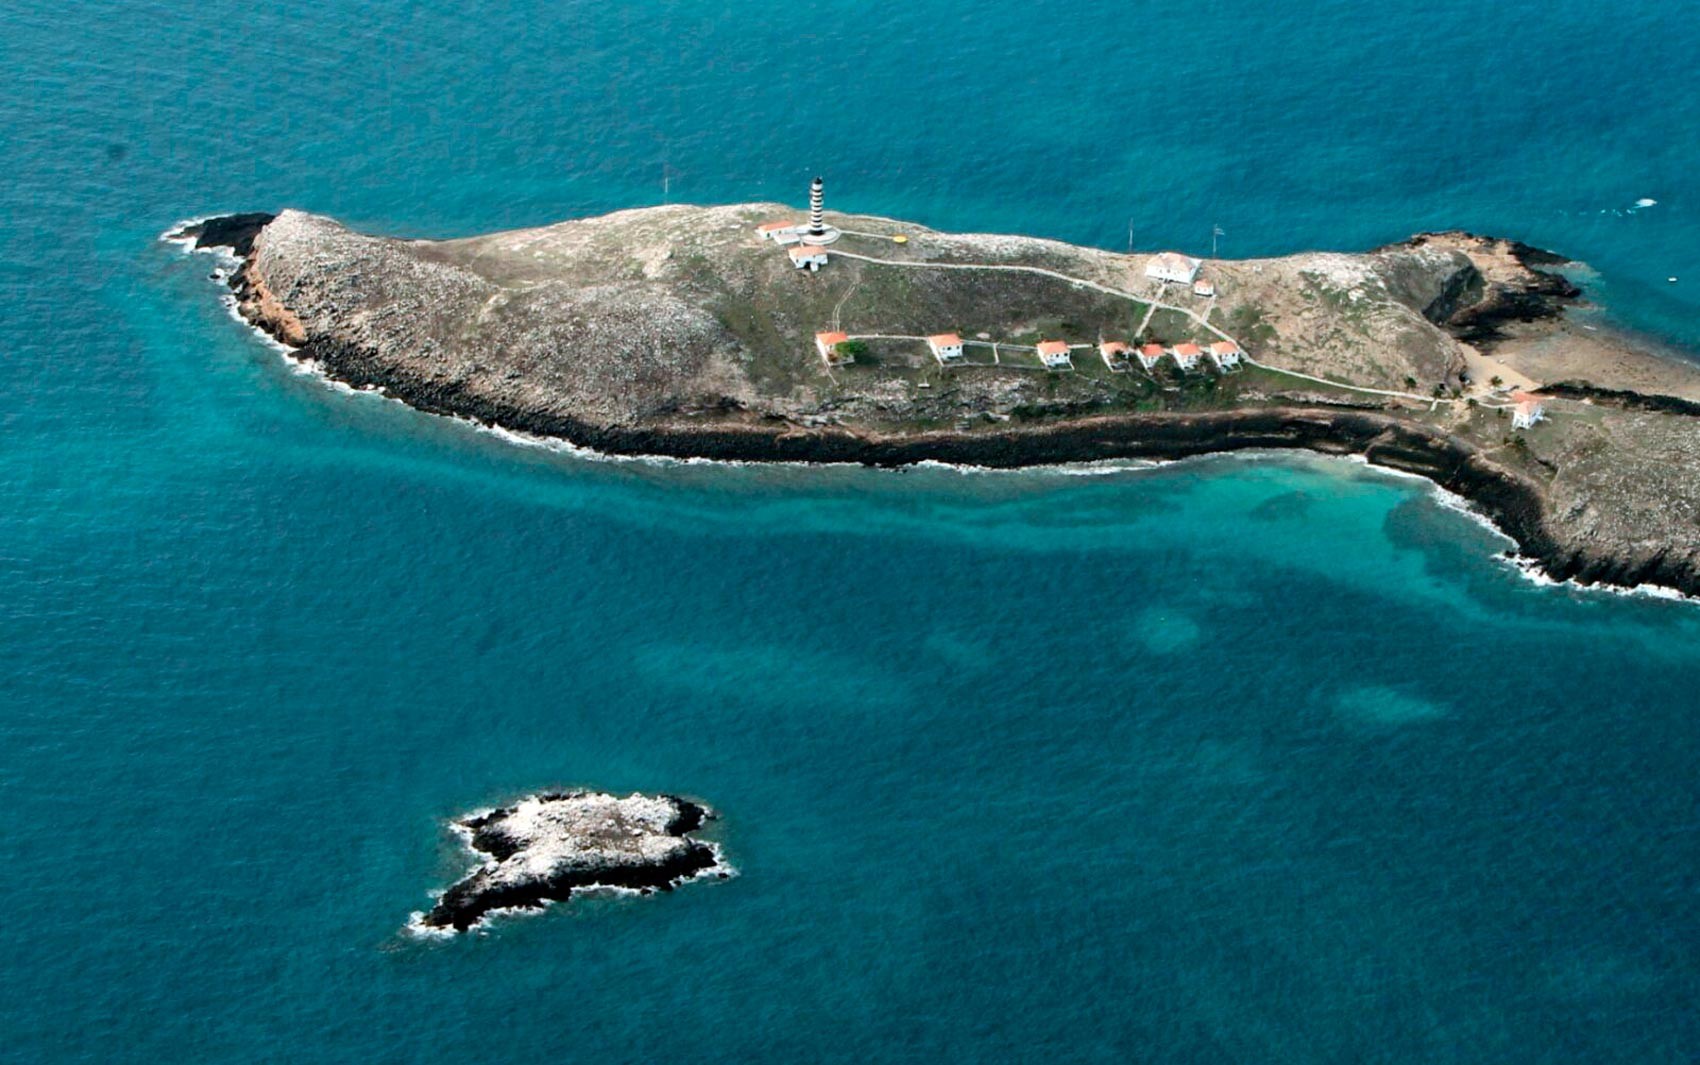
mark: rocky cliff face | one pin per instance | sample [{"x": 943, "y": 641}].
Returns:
[
  {"x": 611, "y": 348},
  {"x": 1490, "y": 281}
]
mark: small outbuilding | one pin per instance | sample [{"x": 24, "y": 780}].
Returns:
[
  {"x": 1149, "y": 354},
  {"x": 1226, "y": 354},
  {"x": 1204, "y": 287},
  {"x": 1172, "y": 266},
  {"x": 827, "y": 345},
  {"x": 1187, "y": 355},
  {"x": 1054, "y": 354},
  {"x": 780, "y": 232},
  {"x": 809, "y": 257},
  {"x": 1528, "y": 410},
  {"x": 946, "y": 347}
]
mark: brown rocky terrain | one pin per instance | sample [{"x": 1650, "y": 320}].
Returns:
[{"x": 678, "y": 331}]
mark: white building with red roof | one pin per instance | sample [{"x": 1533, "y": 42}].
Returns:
[
  {"x": 1528, "y": 410},
  {"x": 1226, "y": 354},
  {"x": 809, "y": 257},
  {"x": 1187, "y": 355},
  {"x": 1172, "y": 266},
  {"x": 781, "y": 233},
  {"x": 1149, "y": 354},
  {"x": 827, "y": 345},
  {"x": 1114, "y": 354},
  {"x": 1204, "y": 287},
  {"x": 946, "y": 347},
  {"x": 1054, "y": 354}
]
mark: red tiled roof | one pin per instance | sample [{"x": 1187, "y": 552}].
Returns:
[
  {"x": 807, "y": 251},
  {"x": 1187, "y": 349},
  {"x": 1112, "y": 347},
  {"x": 768, "y": 227},
  {"x": 831, "y": 339},
  {"x": 1052, "y": 347},
  {"x": 945, "y": 340},
  {"x": 1151, "y": 351},
  {"x": 1222, "y": 347}
]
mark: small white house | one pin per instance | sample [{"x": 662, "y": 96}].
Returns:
[
  {"x": 1527, "y": 412},
  {"x": 1172, "y": 266},
  {"x": 946, "y": 347},
  {"x": 1226, "y": 354},
  {"x": 1054, "y": 354},
  {"x": 808, "y": 257},
  {"x": 827, "y": 345},
  {"x": 1187, "y": 355},
  {"x": 1149, "y": 354},
  {"x": 781, "y": 233},
  {"x": 1204, "y": 287},
  {"x": 1114, "y": 354}
]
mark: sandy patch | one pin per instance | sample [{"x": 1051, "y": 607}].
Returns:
[
  {"x": 1378, "y": 706},
  {"x": 1578, "y": 351}
]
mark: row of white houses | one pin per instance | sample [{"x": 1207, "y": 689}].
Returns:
[
  {"x": 1224, "y": 353},
  {"x": 1056, "y": 354}
]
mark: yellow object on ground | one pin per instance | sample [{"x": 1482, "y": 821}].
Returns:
[{"x": 900, "y": 239}]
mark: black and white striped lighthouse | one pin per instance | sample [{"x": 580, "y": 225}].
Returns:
[{"x": 817, "y": 208}]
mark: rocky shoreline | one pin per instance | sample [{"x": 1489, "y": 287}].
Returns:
[
  {"x": 1513, "y": 487},
  {"x": 547, "y": 847},
  {"x": 1509, "y": 499}
]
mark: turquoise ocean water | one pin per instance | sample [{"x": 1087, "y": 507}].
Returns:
[{"x": 1239, "y": 760}]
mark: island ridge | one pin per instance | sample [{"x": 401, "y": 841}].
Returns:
[{"x": 723, "y": 332}]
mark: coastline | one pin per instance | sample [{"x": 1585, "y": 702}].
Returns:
[
  {"x": 552, "y": 846},
  {"x": 1508, "y": 500}
]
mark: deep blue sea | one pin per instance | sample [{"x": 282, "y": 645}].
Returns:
[{"x": 1243, "y": 760}]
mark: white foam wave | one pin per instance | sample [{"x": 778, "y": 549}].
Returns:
[
  {"x": 1445, "y": 497},
  {"x": 180, "y": 236},
  {"x": 1529, "y": 569}
]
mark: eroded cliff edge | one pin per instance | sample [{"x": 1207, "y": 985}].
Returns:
[{"x": 679, "y": 332}]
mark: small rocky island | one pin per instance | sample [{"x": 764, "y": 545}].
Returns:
[
  {"x": 545, "y": 847},
  {"x": 754, "y": 332}
]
